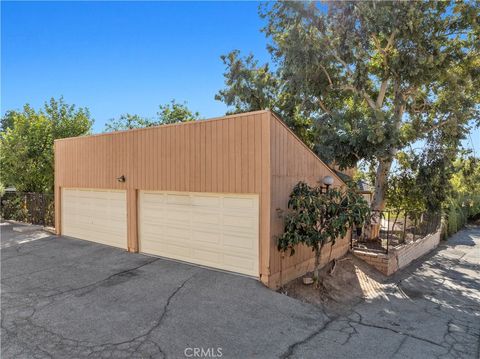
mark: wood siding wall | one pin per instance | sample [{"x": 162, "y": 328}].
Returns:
[
  {"x": 225, "y": 155},
  {"x": 291, "y": 162}
]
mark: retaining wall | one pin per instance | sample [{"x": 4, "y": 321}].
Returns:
[{"x": 401, "y": 256}]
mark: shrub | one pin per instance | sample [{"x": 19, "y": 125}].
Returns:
[
  {"x": 314, "y": 218},
  {"x": 14, "y": 208}
]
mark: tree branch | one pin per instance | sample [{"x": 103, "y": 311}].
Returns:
[
  {"x": 362, "y": 93},
  {"x": 390, "y": 40},
  {"x": 323, "y": 107},
  {"x": 326, "y": 74},
  {"x": 438, "y": 125},
  {"x": 381, "y": 93}
]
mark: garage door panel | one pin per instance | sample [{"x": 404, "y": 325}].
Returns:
[
  {"x": 247, "y": 223},
  {"x": 177, "y": 216},
  {"x": 206, "y": 201},
  {"x": 210, "y": 229},
  {"x": 242, "y": 264},
  {"x": 206, "y": 218},
  {"x": 96, "y": 230},
  {"x": 178, "y": 232},
  {"x": 239, "y": 203},
  {"x": 237, "y": 241},
  {"x": 178, "y": 199},
  {"x": 95, "y": 215},
  {"x": 153, "y": 198},
  {"x": 208, "y": 257},
  {"x": 208, "y": 238}
]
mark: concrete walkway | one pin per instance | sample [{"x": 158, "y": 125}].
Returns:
[{"x": 66, "y": 298}]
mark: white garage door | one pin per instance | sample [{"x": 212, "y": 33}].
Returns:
[
  {"x": 95, "y": 215},
  {"x": 214, "y": 230}
]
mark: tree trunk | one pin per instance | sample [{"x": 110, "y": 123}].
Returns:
[
  {"x": 383, "y": 169},
  {"x": 378, "y": 202},
  {"x": 316, "y": 271}
]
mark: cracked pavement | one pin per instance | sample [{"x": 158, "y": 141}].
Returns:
[{"x": 67, "y": 298}]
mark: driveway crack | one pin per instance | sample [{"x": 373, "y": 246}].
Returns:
[
  {"x": 291, "y": 348},
  {"x": 160, "y": 319},
  {"x": 94, "y": 284},
  {"x": 398, "y": 332}
]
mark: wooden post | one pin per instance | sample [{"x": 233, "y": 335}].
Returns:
[
  {"x": 58, "y": 210},
  {"x": 132, "y": 220}
]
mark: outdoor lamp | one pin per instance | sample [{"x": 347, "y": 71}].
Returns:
[
  {"x": 327, "y": 181},
  {"x": 121, "y": 178}
]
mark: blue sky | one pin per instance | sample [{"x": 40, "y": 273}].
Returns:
[
  {"x": 123, "y": 57},
  {"x": 119, "y": 57}
]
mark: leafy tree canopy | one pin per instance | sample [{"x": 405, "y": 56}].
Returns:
[
  {"x": 466, "y": 185},
  {"x": 128, "y": 122},
  {"x": 373, "y": 77},
  {"x": 26, "y": 142},
  {"x": 175, "y": 112},
  {"x": 172, "y": 112}
]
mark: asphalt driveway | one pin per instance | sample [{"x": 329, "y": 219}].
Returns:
[{"x": 67, "y": 298}]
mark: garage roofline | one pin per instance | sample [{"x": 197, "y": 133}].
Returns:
[{"x": 212, "y": 119}]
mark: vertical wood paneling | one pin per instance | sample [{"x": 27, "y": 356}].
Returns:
[
  {"x": 231, "y": 156},
  {"x": 219, "y": 155},
  {"x": 258, "y": 159},
  {"x": 208, "y": 158},
  {"x": 292, "y": 162},
  {"x": 265, "y": 202},
  {"x": 238, "y": 154},
  {"x": 251, "y": 153},
  {"x": 244, "y": 156},
  {"x": 226, "y": 155}
]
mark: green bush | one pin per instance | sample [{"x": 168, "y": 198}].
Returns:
[
  {"x": 14, "y": 208},
  {"x": 456, "y": 216}
]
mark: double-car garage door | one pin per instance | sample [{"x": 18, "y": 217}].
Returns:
[{"x": 210, "y": 229}]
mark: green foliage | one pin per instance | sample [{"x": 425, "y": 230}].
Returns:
[
  {"x": 315, "y": 218},
  {"x": 466, "y": 178},
  {"x": 420, "y": 181},
  {"x": 128, "y": 122},
  {"x": 172, "y": 112},
  {"x": 14, "y": 208},
  {"x": 252, "y": 87},
  {"x": 455, "y": 217},
  {"x": 7, "y": 120},
  {"x": 366, "y": 79},
  {"x": 26, "y": 147},
  {"x": 403, "y": 193},
  {"x": 35, "y": 208},
  {"x": 175, "y": 112},
  {"x": 466, "y": 186}
]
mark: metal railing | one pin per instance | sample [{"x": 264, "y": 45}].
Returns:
[
  {"x": 29, "y": 207},
  {"x": 392, "y": 228}
]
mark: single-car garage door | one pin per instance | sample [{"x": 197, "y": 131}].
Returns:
[
  {"x": 95, "y": 215},
  {"x": 211, "y": 229}
]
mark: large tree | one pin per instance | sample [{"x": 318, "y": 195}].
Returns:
[
  {"x": 26, "y": 143},
  {"x": 374, "y": 76}
]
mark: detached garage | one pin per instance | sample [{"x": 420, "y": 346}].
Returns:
[{"x": 203, "y": 192}]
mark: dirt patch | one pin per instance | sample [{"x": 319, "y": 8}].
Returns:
[{"x": 351, "y": 282}]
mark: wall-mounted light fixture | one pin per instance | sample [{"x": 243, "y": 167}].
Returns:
[
  {"x": 121, "y": 178},
  {"x": 327, "y": 181}
]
